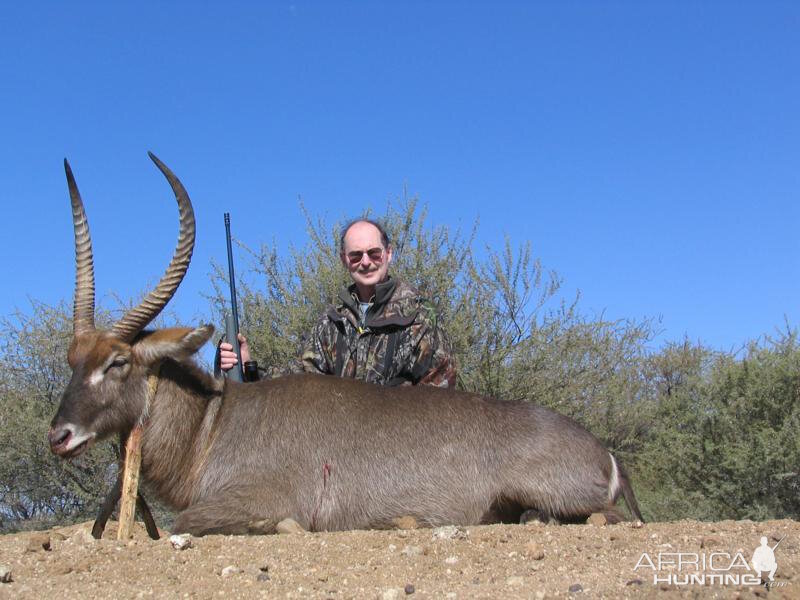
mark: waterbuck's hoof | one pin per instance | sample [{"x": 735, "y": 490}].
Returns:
[
  {"x": 598, "y": 519},
  {"x": 405, "y": 523},
  {"x": 289, "y": 526},
  {"x": 262, "y": 527}
]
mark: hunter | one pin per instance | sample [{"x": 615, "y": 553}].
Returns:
[{"x": 381, "y": 330}]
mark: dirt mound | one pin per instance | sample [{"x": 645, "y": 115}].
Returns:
[{"x": 498, "y": 561}]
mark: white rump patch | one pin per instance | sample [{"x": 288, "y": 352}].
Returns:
[{"x": 613, "y": 482}]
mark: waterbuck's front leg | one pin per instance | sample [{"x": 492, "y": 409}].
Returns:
[
  {"x": 108, "y": 506},
  {"x": 237, "y": 510},
  {"x": 110, "y": 503}
]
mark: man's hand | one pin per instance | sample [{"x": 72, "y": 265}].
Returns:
[{"x": 227, "y": 357}]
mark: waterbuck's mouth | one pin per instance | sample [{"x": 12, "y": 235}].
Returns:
[
  {"x": 68, "y": 444},
  {"x": 77, "y": 449}
]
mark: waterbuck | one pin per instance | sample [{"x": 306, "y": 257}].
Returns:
[{"x": 330, "y": 453}]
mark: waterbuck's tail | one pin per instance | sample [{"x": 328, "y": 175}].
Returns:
[{"x": 620, "y": 483}]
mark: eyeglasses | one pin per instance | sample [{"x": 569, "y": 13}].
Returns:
[{"x": 375, "y": 255}]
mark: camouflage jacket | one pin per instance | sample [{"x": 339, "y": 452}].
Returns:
[{"x": 397, "y": 342}]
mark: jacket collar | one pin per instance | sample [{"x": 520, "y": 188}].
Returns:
[
  {"x": 383, "y": 292},
  {"x": 375, "y": 317}
]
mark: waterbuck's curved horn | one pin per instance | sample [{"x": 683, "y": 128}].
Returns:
[
  {"x": 137, "y": 318},
  {"x": 83, "y": 306}
]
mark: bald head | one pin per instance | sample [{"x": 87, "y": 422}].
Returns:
[{"x": 360, "y": 222}]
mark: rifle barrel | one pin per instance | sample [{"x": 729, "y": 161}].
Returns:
[{"x": 231, "y": 276}]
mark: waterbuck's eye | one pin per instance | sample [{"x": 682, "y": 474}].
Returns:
[{"x": 119, "y": 361}]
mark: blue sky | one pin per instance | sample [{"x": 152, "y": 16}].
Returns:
[{"x": 650, "y": 152}]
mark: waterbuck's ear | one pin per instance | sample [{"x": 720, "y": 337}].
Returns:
[{"x": 176, "y": 342}]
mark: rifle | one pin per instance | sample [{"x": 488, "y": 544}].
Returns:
[
  {"x": 250, "y": 372},
  {"x": 232, "y": 318}
]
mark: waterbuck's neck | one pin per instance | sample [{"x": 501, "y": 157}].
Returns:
[{"x": 178, "y": 430}]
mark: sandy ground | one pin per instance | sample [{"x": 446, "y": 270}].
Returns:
[{"x": 498, "y": 561}]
